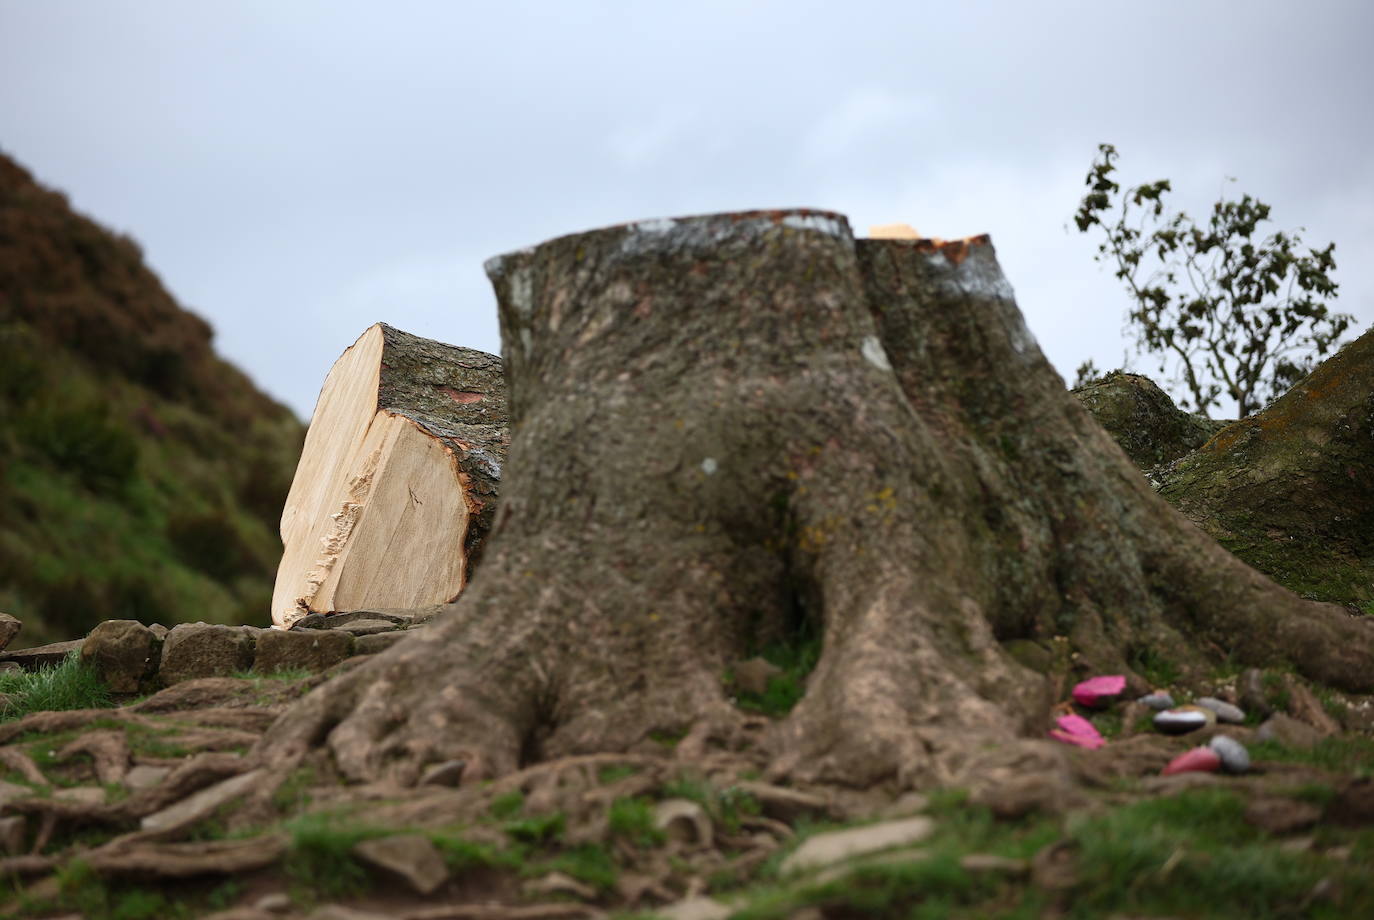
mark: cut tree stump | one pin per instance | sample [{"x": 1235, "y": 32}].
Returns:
[
  {"x": 740, "y": 429},
  {"x": 396, "y": 484}
]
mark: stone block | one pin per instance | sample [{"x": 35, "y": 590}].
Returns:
[
  {"x": 311, "y": 649},
  {"x": 9, "y": 628},
  {"x": 377, "y": 642},
  {"x": 194, "y": 650},
  {"x": 123, "y": 652}
]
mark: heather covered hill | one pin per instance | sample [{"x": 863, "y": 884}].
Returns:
[{"x": 141, "y": 475}]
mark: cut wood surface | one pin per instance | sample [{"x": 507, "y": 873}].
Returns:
[{"x": 397, "y": 480}]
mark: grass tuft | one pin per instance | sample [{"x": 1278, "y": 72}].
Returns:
[
  {"x": 796, "y": 657},
  {"x": 66, "y": 686},
  {"x": 632, "y": 818},
  {"x": 320, "y": 860}
]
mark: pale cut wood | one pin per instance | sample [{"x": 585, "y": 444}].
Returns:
[
  {"x": 397, "y": 481},
  {"x": 894, "y": 232}
]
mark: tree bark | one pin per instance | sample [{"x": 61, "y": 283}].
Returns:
[
  {"x": 1143, "y": 419},
  {"x": 733, "y": 427},
  {"x": 396, "y": 486},
  {"x": 1290, "y": 490}
]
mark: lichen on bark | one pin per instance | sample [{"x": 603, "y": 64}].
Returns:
[
  {"x": 1143, "y": 419},
  {"x": 728, "y": 426}
]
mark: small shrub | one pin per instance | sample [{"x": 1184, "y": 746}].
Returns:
[
  {"x": 210, "y": 543},
  {"x": 84, "y": 442}
]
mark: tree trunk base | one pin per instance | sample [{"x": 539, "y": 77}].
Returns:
[{"x": 735, "y": 428}]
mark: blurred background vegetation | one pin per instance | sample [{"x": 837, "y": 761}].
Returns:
[{"x": 141, "y": 476}]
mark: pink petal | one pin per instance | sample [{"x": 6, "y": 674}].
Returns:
[
  {"x": 1096, "y": 691},
  {"x": 1078, "y": 731},
  {"x": 1198, "y": 760}
]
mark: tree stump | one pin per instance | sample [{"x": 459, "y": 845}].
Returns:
[
  {"x": 396, "y": 486},
  {"x": 735, "y": 427}
]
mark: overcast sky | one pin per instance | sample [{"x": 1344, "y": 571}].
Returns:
[{"x": 296, "y": 171}]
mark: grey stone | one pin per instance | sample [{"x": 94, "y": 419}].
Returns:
[
  {"x": 42, "y": 656},
  {"x": 378, "y": 642},
  {"x": 9, "y": 628},
  {"x": 826, "y": 849},
  {"x": 10, "y": 666},
  {"x": 194, "y": 650},
  {"x": 401, "y": 617},
  {"x": 86, "y": 795},
  {"x": 276, "y": 902},
  {"x": 368, "y": 627},
  {"x": 889, "y": 858},
  {"x": 1184, "y": 719},
  {"x": 159, "y": 630},
  {"x": 753, "y": 675},
  {"x": 685, "y": 821},
  {"x": 908, "y": 804},
  {"x": 446, "y": 773},
  {"x": 1288, "y": 731},
  {"x": 1159, "y": 700},
  {"x": 698, "y": 908},
  {"x": 143, "y": 776},
  {"x": 13, "y": 832},
  {"x": 410, "y": 857},
  {"x": 123, "y": 652},
  {"x": 203, "y": 803},
  {"x": 310, "y": 649},
  {"x": 1234, "y": 757},
  {"x": 1224, "y": 710},
  {"x": 558, "y": 884}
]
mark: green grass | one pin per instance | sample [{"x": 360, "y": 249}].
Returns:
[
  {"x": 796, "y": 656},
  {"x": 1341, "y": 754},
  {"x": 1189, "y": 855},
  {"x": 461, "y": 855},
  {"x": 589, "y": 863},
  {"x": 65, "y": 686},
  {"x": 726, "y": 807},
  {"x": 608, "y": 775},
  {"x": 1155, "y": 668},
  {"x": 632, "y": 818},
  {"x": 320, "y": 862},
  {"x": 81, "y": 889},
  {"x": 537, "y": 830},
  {"x": 1194, "y": 855},
  {"x": 507, "y": 805}
]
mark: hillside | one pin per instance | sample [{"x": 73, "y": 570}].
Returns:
[{"x": 141, "y": 475}]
